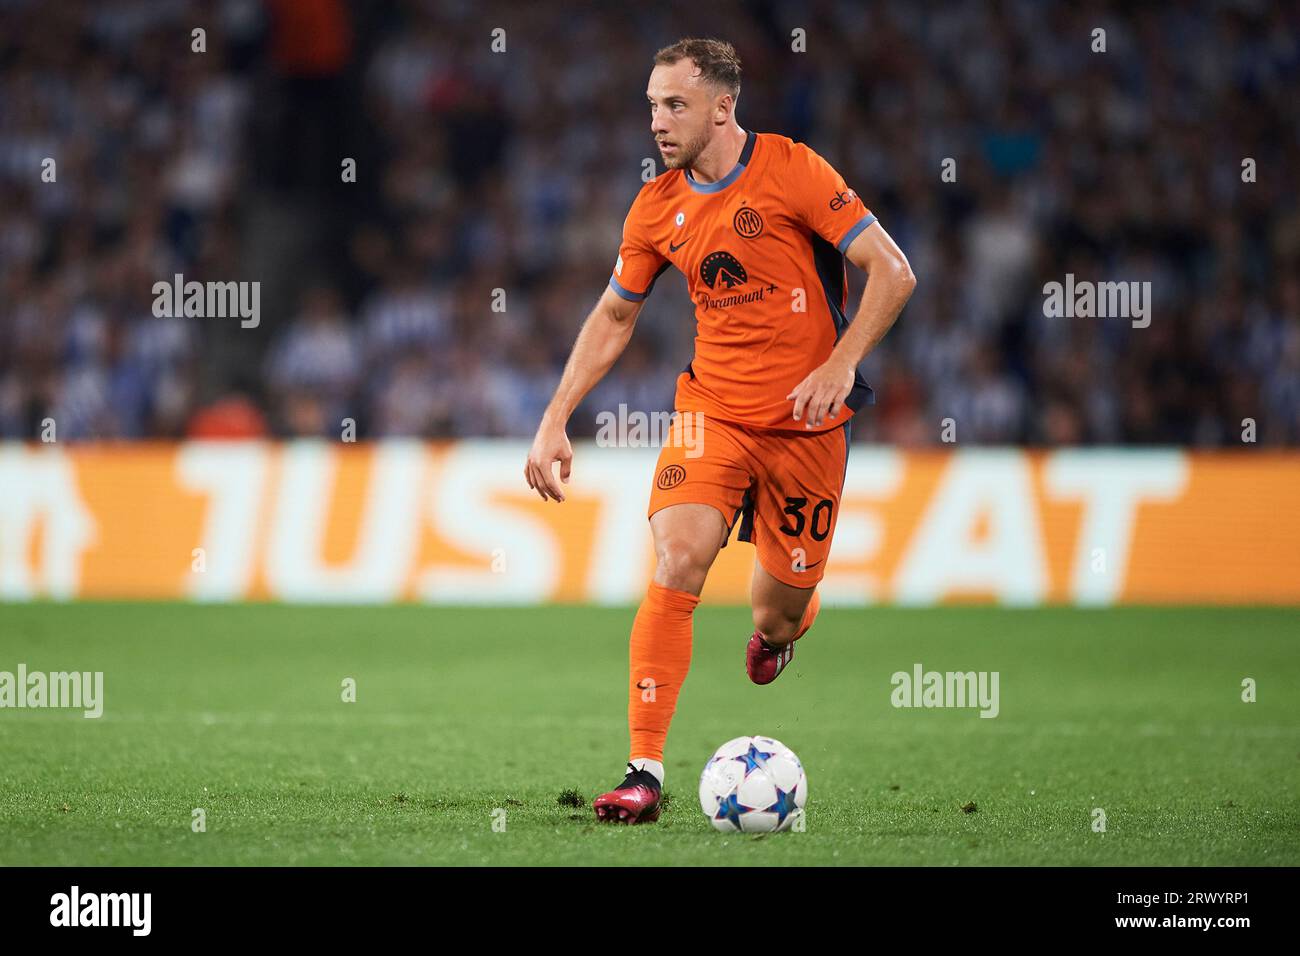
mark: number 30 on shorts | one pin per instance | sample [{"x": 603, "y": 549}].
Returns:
[{"x": 819, "y": 525}]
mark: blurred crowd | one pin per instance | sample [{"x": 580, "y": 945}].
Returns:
[{"x": 496, "y": 149}]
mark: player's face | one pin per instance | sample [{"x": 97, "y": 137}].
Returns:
[{"x": 681, "y": 112}]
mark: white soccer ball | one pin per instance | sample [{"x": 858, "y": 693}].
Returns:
[{"x": 753, "y": 785}]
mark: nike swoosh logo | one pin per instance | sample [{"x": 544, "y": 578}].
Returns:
[{"x": 674, "y": 248}]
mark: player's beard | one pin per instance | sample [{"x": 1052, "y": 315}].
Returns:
[{"x": 687, "y": 153}]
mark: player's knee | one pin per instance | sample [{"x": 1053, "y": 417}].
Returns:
[
  {"x": 682, "y": 564},
  {"x": 777, "y": 624}
]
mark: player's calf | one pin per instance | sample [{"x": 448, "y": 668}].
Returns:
[
  {"x": 778, "y": 626},
  {"x": 769, "y": 652}
]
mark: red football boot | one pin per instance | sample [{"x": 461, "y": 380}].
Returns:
[
  {"x": 635, "y": 800},
  {"x": 763, "y": 662}
]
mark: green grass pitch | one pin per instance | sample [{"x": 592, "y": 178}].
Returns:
[{"x": 237, "y": 710}]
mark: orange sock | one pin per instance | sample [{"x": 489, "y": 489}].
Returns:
[{"x": 660, "y": 656}]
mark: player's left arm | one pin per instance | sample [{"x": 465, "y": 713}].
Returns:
[{"x": 822, "y": 393}]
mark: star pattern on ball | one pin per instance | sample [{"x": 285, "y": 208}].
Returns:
[
  {"x": 730, "y": 808},
  {"x": 785, "y": 804},
  {"x": 753, "y": 759}
]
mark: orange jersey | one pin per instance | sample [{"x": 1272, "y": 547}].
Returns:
[{"x": 762, "y": 250}]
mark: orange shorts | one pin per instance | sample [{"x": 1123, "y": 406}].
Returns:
[{"x": 782, "y": 487}]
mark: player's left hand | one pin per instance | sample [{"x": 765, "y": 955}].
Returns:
[{"x": 821, "y": 395}]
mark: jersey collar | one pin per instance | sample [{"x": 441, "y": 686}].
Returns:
[{"x": 750, "y": 138}]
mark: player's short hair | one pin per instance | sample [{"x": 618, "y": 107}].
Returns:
[{"x": 716, "y": 59}]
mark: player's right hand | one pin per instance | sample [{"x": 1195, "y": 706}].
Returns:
[{"x": 550, "y": 445}]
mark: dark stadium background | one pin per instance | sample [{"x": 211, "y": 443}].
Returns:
[{"x": 479, "y": 171}]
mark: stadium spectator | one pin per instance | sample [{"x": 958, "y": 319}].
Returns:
[{"x": 479, "y": 172}]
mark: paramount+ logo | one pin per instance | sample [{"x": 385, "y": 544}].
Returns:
[
  {"x": 723, "y": 271},
  {"x": 722, "y": 268}
]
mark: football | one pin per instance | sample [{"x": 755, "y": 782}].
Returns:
[{"x": 753, "y": 785}]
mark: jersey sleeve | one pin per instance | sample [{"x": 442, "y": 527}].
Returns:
[
  {"x": 823, "y": 201},
  {"x": 639, "y": 263}
]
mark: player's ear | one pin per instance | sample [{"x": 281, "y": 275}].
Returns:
[{"x": 723, "y": 108}]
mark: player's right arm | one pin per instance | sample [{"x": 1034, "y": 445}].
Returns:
[
  {"x": 603, "y": 337},
  {"x": 600, "y": 342}
]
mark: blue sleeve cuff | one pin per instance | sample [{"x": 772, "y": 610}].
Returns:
[
  {"x": 623, "y": 293},
  {"x": 853, "y": 233}
]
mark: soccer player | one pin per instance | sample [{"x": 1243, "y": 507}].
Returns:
[{"x": 760, "y": 226}]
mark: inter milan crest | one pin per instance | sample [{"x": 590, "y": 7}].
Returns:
[{"x": 748, "y": 223}]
